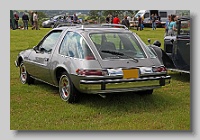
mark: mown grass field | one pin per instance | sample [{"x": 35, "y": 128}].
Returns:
[{"x": 39, "y": 107}]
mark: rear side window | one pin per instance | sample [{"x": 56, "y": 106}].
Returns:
[{"x": 74, "y": 45}]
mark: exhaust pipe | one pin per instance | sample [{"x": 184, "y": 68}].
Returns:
[{"x": 102, "y": 95}]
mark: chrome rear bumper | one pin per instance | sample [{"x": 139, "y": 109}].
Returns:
[{"x": 123, "y": 85}]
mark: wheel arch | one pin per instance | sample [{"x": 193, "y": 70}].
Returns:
[
  {"x": 58, "y": 72},
  {"x": 19, "y": 60}
]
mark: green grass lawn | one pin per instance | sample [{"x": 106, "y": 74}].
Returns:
[{"x": 39, "y": 107}]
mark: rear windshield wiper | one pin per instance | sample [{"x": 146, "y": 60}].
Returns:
[{"x": 119, "y": 54}]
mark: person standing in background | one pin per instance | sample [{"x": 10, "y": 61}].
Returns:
[
  {"x": 25, "y": 20},
  {"x": 153, "y": 21},
  {"x": 139, "y": 23},
  {"x": 108, "y": 19},
  {"x": 69, "y": 19},
  {"x": 116, "y": 20},
  {"x": 166, "y": 24},
  {"x": 171, "y": 26},
  {"x": 16, "y": 19},
  {"x": 75, "y": 18},
  {"x": 35, "y": 20},
  {"x": 125, "y": 22}
]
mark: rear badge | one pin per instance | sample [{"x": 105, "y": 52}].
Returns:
[{"x": 115, "y": 72}]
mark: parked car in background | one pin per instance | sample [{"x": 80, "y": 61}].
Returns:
[
  {"x": 54, "y": 20},
  {"x": 146, "y": 14},
  {"x": 177, "y": 46},
  {"x": 176, "y": 53},
  {"x": 92, "y": 59}
]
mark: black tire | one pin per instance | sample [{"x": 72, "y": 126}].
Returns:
[
  {"x": 25, "y": 76},
  {"x": 147, "y": 92},
  {"x": 67, "y": 90}
]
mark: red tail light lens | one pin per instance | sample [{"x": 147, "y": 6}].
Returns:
[
  {"x": 91, "y": 72},
  {"x": 160, "y": 69},
  {"x": 90, "y": 57}
]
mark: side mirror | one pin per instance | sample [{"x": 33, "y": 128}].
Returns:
[{"x": 35, "y": 48}]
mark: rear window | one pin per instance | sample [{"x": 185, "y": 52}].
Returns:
[{"x": 117, "y": 42}]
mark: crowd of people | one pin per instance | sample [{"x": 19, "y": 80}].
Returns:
[
  {"x": 125, "y": 21},
  {"x": 33, "y": 19},
  {"x": 170, "y": 26}
]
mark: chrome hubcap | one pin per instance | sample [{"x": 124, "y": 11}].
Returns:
[
  {"x": 64, "y": 87},
  {"x": 23, "y": 74}
]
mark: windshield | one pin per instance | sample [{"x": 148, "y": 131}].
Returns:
[{"x": 117, "y": 42}]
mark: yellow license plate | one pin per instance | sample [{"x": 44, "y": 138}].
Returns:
[{"x": 130, "y": 73}]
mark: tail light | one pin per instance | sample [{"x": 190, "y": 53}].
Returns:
[
  {"x": 159, "y": 69},
  {"x": 90, "y": 57},
  {"x": 91, "y": 72}
]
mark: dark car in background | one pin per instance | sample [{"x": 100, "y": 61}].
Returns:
[
  {"x": 176, "y": 53},
  {"x": 177, "y": 46},
  {"x": 92, "y": 59}
]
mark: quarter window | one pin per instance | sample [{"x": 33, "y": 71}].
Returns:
[{"x": 74, "y": 45}]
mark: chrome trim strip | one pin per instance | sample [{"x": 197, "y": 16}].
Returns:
[
  {"x": 43, "y": 81},
  {"x": 37, "y": 63},
  {"x": 177, "y": 70}
]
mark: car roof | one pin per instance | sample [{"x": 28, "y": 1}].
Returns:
[{"x": 94, "y": 27}]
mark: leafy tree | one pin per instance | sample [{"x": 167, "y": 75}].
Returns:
[
  {"x": 94, "y": 14},
  {"x": 120, "y": 13},
  {"x": 41, "y": 15},
  {"x": 100, "y": 15}
]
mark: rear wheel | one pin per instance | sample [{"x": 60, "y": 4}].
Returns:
[
  {"x": 67, "y": 89},
  {"x": 25, "y": 76},
  {"x": 145, "y": 92},
  {"x": 148, "y": 92}
]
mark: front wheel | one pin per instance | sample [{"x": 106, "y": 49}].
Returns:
[
  {"x": 67, "y": 89},
  {"x": 24, "y": 75}
]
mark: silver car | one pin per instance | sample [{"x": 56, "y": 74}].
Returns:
[{"x": 98, "y": 59}]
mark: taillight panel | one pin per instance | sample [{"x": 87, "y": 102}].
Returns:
[
  {"x": 159, "y": 69},
  {"x": 88, "y": 72}
]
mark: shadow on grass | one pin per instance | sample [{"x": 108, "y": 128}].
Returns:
[{"x": 128, "y": 102}]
